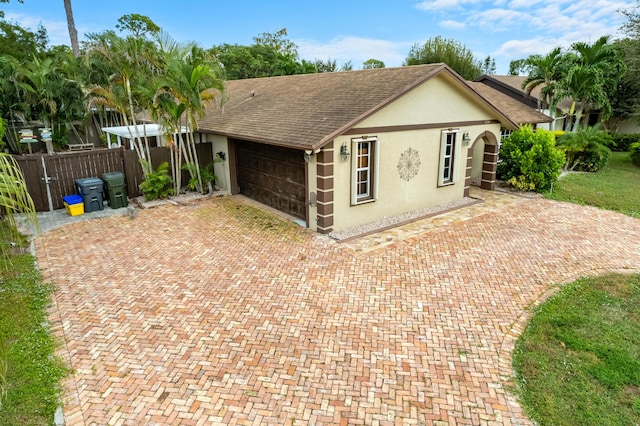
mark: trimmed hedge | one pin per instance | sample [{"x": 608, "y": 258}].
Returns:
[
  {"x": 634, "y": 153},
  {"x": 622, "y": 143}
]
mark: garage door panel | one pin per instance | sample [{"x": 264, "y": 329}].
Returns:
[{"x": 272, "y": 175}]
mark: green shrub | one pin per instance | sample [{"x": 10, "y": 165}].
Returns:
[
  {"x": 158, "y": 184},
  {"x": 206, "y": 174},
  {"x": 586, "y": 149},
  {"x": 634, "y": 153},
  {"x": 530, "y": 160},
  {"x": 622, "y": 143}
]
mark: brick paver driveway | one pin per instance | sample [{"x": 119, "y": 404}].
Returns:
[{"x": 220, "y": 313}]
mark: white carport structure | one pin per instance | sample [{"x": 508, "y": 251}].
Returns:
[{"x": 142, "y": 130}]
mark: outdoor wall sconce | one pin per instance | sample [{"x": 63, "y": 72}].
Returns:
[
  {"x": 307, "y": 156},
  {"x": 466, "y": 140},
  {"x": 344, "y": 152},
  {"x": 221, "y": 155}
]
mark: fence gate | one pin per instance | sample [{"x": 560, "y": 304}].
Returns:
[{"x": 51, "y": 177}]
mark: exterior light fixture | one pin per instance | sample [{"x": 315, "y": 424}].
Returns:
[
  {"x": 344, "y": 152},
  {"x": 307, "y": 156},
  {"x": 466, "y": 140}
]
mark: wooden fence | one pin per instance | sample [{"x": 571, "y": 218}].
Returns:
[{"x": 51, "y": 177}]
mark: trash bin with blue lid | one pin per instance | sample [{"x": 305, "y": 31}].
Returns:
[
  {"x": 90, "y": 189},
  {"x": 115, "y": 189}
]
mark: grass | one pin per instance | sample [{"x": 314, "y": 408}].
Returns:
[
  {"x": 29, "y": 371},
  {"x": 578, "y": 361},
  {"x": 615, "y": 187}
]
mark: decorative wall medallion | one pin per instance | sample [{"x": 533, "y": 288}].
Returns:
[{"x": 409, "y": 164}]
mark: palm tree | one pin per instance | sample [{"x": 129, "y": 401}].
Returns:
[
  {"x": 13, "y": 105},
  {"x": 545, "y": 71},
  {"x": 585, "y": 85},
  {"x": 73, "y": 32},
  {"x": 132, "y": 61},
  {"x": 191, "y": 78},
  {"x": 595, "y": 73}
]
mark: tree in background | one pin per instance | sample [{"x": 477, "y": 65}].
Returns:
[
  {"x": 517, "y": 67},
  {"x": 544, "y": 72},
  {"x": 448, "y": 51},
  {"x": 138, "y": 26},
  {"x": 279, "y": 42},
  {"x": 271, "y": 55},
  {"x": 372, "y": 64},
  {"x": 593, "y": 73},
  {"x": 588, "y": 74},
  {"x": 21, "y": 43},
  {"x": 625, "y": 100},
  {"x": 488, "y": 65}
]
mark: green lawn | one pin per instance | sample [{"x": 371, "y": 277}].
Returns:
[
  {"x": 578, "y": 361},
  {"x": 29, "y": 372},
  {"x": 615, "y": 187}
]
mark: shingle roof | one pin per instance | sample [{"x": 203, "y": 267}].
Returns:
[
  {"x": 306, "y": 111},
  {"x": 515, "y": 82},
  {"x": 516, "y": 111}
]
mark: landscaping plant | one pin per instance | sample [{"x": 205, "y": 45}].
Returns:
[
  {"x": 157, "y": 184},
  {"x": 206, "y": 173},
  {"x": 634, "y": 153},
  {"x": 530, "y": 161},
  {"x": 586, "y": 149}
]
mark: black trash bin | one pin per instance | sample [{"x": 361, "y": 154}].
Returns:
[
  {"x": 116, "y": 189},
  {"x": 90, "y": 189}
]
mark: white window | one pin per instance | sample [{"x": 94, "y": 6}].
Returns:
[
  {"x": 448, "y": 159},
  {"x": 364, "y": 165}
]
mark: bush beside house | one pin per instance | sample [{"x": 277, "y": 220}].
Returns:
[{"x": 530, "y": 161}]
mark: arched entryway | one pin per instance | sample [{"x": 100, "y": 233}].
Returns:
[{"x": 482, "y": 162}]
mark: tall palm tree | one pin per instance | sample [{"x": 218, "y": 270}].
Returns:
[
  {"x": 595, "y": 72},
  {"x": 192, "y": 78},
  {"x": 545, "y": 71},
  {"x": 73, "y": 32},
  {"x": 132, "y": 61}
]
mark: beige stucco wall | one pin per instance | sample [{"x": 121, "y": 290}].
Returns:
[
  {"x": 432, "y": 103},
  {"x": 476, "y": 165},
  {"x": 221, "y": 169},
  {"x": 435, "y": 101}
]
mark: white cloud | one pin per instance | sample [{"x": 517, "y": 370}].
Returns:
[
  {"x": 355, "y": 49},
  {"x": 520, "y": 49},
  {"x": 452, "y": 25},
  {"x": 438, "y": 5}
]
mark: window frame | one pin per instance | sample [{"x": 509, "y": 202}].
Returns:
[
  {"x": 370, "y": 170},
  {"x": 447, "y": 136}
]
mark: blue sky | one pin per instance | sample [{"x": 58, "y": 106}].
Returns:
[{"x": 349, "y": 30}]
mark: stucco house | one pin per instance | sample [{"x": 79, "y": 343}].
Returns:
[{"x": 338, "y": 150}]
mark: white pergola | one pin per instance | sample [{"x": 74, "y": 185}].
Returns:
[{"x": 130, "y": 132}]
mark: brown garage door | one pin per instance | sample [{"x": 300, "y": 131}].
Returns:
[{"x": 273, "y": 176}]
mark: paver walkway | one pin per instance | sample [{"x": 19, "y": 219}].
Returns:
[{"x": 220, "y": 313}]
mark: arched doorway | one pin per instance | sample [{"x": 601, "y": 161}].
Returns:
[{"x": 482, "y": 162}]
